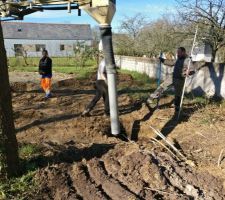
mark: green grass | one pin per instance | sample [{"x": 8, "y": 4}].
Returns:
[
  {"x": 62, "y": 65},
  {"x": 22, "y": 187},
  {"x": 198, "y": 100},
  {"x": 27, "y": 151},
  {"x": 57, "y": 61},
  {"x": 141, "y": 87},
  {"x": 204, "y": 100},
  {"x": 18, "y": 188},
  {"x": 138, "y": 77},
  {"x": 23, "y": 69}
]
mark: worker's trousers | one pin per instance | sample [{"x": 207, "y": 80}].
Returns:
[
  {"x": 164, "y": 86},
  {"x": 178, "y": 89},
  {"x": 101, "y": 91},
  {"x": 46, "y": 85}
]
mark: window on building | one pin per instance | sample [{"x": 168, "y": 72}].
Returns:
[
  {"x": 40, "y": 47},
  {"x": 62, "y": 47},
  {"x": 18, "y": 48}
]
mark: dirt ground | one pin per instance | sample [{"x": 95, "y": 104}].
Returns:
[{"x": 81, "y": 160}]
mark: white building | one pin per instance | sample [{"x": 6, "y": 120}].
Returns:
[
  {"x": 202, "y": 53},
  {"x": 31, "y": 38}
]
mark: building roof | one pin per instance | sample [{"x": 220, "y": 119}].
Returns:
[{"x": 42, "y": 31}]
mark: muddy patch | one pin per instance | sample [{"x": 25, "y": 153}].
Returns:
[
  {"x": 83, "y": 161},
  {"x": 126, "y": 172}
]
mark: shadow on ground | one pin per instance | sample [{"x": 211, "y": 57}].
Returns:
[
  {"x": 69, "y": 153},
  {"x": 48, "y": 120}
]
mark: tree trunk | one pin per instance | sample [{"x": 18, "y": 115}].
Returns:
[
  {"x": 9, "y": 161},
  {"x": 214, "y": 51}
]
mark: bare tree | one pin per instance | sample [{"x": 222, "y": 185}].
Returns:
[
  {"x": 142, "y": 38},
  {"x": 159, "y": 36},
  {"x": 9, "y": 161},
  {"x": 124, "y": 45},
  {"x": 130, "y": 27},
  {"x": 96, "y": 36},
  {"x": 21, "y": 52},
  {"x": 83, "y": 53},
  {"x": 133, "y": 25},
  {"x": 210, "y": 17}
]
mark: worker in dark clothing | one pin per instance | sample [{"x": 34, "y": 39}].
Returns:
[
  {"x": 179, "y": 73},
  {"x": 45, "y": 70},
  {"x": 101, "y": 90}
]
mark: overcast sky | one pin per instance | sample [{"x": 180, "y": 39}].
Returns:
[{"x": 150, "y": 8}]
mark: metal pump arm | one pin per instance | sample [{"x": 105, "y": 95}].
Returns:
[{"x": 101, "y": 10}]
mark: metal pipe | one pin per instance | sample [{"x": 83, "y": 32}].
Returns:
[
  {"x": 106, "y": 36},
  {"x": 64, "y": 7},
  {"x": 185, "y": 81},
  {"x": 69, "y": 7}
]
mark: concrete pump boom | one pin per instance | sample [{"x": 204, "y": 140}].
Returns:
[{"x": 101, "y": 10}]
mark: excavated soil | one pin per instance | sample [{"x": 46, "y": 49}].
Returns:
[{"x": 81, "y": 160}]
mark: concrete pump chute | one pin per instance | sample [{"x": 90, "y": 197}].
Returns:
[{"x": 102, "y": 11}]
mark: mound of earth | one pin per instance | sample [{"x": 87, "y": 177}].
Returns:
[
  {"x": 81, "y": 160},
  {"x": 122, "y": 171}
]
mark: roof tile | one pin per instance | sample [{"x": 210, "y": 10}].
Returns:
[{"x": 44, "y": 31}]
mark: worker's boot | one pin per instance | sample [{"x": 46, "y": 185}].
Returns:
[
  {"x": 151, "y": 101},
  {"x": 48, "y": 94}
]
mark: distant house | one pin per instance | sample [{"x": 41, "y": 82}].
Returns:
[{"x": 31, "y": 38}]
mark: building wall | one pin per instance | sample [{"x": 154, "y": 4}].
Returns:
[
  {"x": 208, "y": 80},
  {"x": 53, "y": 47}
]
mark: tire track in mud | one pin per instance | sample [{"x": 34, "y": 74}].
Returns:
[
  {"x": 125, "y": 172},
  {"x": 129, "y": 176},
  {"x": 141, "y": 172},
  {"x": 85, "y": 187},
  {"x": 109, "y": 184}
]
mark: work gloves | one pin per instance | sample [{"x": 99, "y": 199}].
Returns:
[
  {"x": 41, "y": 72},
  {"x": 187, "y": 73}
]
